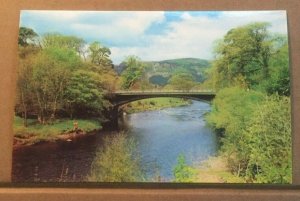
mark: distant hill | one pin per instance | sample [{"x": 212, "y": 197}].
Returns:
[{"x": 159, "y": 72}]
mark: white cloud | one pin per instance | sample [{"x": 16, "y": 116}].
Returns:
[
  {"x": 194, "y": 36},
  {"x": 187, "y": 36},
  {"x": 98, "y": 25},
  {"x": 122, "y": 25}
]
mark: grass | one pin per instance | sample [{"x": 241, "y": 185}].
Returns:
[
  {"x": 155, "y": 104},
  {"x": 215, "y": 170},
  {"x": 35, "y": 132}
]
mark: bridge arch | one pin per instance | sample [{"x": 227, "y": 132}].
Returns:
[
  {"x": 133, "y": 99},
  {"x": 123, "y": 97}
]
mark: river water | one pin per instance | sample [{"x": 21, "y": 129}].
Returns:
[{"x": 161, "y": 136}]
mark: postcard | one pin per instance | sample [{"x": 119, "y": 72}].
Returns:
[{"x": 153, "y": 96}]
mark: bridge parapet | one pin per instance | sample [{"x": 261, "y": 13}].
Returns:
[
  {"x": 122, "y": 97},
  {"x": 165, "y": 92}
]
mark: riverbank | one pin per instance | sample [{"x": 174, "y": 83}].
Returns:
[
  {"x": 154, "y": 104},
  {"x": 61, "y": 129},
  {"x": 215, "y": 170}
]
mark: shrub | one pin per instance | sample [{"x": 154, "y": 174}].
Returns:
[{"x": 117, "y": 161}]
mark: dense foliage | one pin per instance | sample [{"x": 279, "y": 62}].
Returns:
[
  {"x": 133, "y": 72},
  {"x": 256, "y": 134},
  {"x": 251, "y": 110},
  {"x": 251, "y": 57},
  {"x": 59, "y": 78},
  {"x": 182, "y": 81}
]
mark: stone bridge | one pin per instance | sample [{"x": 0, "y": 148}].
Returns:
[{"x": 120, "y": 98}]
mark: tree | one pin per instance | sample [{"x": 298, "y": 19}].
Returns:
[
  {"x": 182, "y": 81},
  {"x": 53, "y": 80},
  {"x": 56, "y": 40},
  {"x": 24, "y": 88},
  {"x": 99, "y": 55},
  {"x": 84, "y": 94},
  {"x": 27, "y": 51},
  {"x": 244, "y": 52},
  {"x": 51, "y": 72},
  {"x": 26, "y": 36},
  {"x": 133, "y": 72},
  {"x": 279, "y": 81}
]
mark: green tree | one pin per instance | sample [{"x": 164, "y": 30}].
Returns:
[
  {"x": 99, "y": 55},
  {"x": 51, "y": 73},
  {"x": 27, "y": 36},
  {"x": 279, "y": 81},
  {"x": 25, "y": 94},
  {"x": 28, "y": 49},
  {"x": 56, "y": 40},
  {"x": 117, "y": 161},
  {"x": 133, "y": 72},
  {"x": 243, "y": 53},
  {"x": 182, "y": 81},
  {"x": 85, "y": 94}
]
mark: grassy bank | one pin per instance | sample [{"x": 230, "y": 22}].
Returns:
[
  {"x": 155, "y": 104},
  {"x": 215, "y": 170},
  {"x": 59, "y": 129}
]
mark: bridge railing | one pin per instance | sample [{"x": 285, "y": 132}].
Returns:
[{"x": 162, "y": 91}]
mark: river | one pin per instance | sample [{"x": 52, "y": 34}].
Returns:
[{"x": 161, "y": 136}]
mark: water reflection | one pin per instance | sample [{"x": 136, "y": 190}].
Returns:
[{"x": 161, "y": 136}]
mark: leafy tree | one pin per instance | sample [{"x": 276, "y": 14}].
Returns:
[
  {"x": 27, "y": 42},
  {"x": 84, "y": 94},
  {"x": 25, "y": 92},
  {"x": 99, "y": 55},
  {"x": 108, "y": 76},
  {"x": 27, "y": 36},
  {"x": 182, "y": 81},
  {"x": 54, "y": 80},
  {"x": 51, "y": 72},
  {"x": 244, "y": 52},
  {"x": 56, "y": 40},
  {"x": 133, "y": 72},
  {"x": 27, "y": 51},
  {"x": 279, "y": 81},
  {"x": 117, "y": 161}
]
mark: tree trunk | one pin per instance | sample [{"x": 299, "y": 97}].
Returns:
[
  {"x": 239, "y": 170},
  {"x": 41, "y": 110},
  {"x": 24, "y": 110}
]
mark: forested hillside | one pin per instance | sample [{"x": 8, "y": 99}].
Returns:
[{"x": 158, "y": 73}]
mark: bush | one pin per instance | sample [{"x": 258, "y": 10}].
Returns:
[
  {"x": 269, "y": 141},
  {"x": 256, "y": 134},
  {"x": 117, "y": 161},
  {"x": 182, "y": 172}
]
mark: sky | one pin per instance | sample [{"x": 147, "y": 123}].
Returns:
[{"x": 150, "y": 35}]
